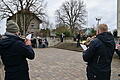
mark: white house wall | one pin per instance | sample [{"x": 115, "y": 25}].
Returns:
[
  {"x": 118, "y": 17},
  {"x": 34, "y": 25}
]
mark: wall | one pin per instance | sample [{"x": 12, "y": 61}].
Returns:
[
  {"x": 34, "y": 26},
  {"x": 118, "y": 17}
]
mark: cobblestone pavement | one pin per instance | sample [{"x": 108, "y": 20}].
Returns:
[{"x": 58, "y": 64}]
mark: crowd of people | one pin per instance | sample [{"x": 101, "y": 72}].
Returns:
[{"x": 39, "y": 42}]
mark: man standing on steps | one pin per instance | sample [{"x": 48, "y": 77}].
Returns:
[
  {"x": 78, "y": 39},
  {"x": 14, "y": 51},
  {"x": 62, "y": 37},
  {"x": 99, "y": 55}
]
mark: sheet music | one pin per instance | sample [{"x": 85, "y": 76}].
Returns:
[
  {"x": 83, "y": 46},
  {"x": 29, "y": 36}
]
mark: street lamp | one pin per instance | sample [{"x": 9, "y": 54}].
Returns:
[{"x": 98, "y": 20}]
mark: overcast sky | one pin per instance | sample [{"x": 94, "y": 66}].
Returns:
[{"x": 106, "y": 9}]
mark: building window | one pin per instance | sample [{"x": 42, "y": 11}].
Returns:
[{"x": 32, "y": 25}]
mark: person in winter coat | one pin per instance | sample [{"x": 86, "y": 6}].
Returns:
[
  {"x": 78, "y": 39},
  {"x": 62, "y": 37},
  {"x": 99, "y": 55},
  {"x": 0, "y": 36},
  {"x": 46, "y": 42},
  {"x": 14, "y": 52},
  {"x": 34, "y": 42}
]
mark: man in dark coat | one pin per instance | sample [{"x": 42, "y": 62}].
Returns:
[
  {"x": 62, "y": 37},
  {"x": 99, "y": 55},
  {"x": 78, "y": 39},
  {"x": 34, "y": 43},
  {"x": 14, "y": 51},
  {"x": 0, "y": 36}
]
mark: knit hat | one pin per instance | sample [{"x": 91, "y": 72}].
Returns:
[{"x": 12, "y": 27}]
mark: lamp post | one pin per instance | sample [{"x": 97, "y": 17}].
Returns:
[{"x": 98, "y": 21}]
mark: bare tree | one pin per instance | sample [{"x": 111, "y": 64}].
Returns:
[
  {"x": 72, "y": 13},
  {"x": 11, "y": 7}
]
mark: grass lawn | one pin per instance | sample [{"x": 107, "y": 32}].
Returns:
[{"x": 68, "y": 46}]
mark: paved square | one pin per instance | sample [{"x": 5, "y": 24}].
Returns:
[{"x": 58, "y": 64}]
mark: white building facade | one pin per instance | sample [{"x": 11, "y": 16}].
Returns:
[{"x": 118, "y": 17}]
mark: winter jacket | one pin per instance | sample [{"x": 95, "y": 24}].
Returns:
[
  {"x": 99, "y": 56},
  {"x": 13, "y": 53}
]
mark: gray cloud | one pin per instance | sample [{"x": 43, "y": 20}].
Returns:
[
  {"x": 107, "y": 9},
  {"x": 102, "y": 8}
]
